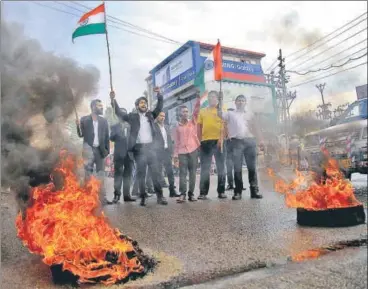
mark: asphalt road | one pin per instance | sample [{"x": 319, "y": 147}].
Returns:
[{"x": 196, "y": 242}]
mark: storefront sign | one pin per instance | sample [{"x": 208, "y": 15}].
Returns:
[{"x": 176, "y": 73}]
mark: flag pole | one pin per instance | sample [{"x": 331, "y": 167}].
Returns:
[
  {"x": 220, "y": 104},
  {"x": 108, "y": 55}
]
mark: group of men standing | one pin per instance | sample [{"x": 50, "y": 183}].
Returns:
[{"x": 142, "y": 137}]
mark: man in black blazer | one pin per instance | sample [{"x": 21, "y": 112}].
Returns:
[
  {"x": 142, "y": 135},
  {"x": 94, "y": 130},
  {"x": 164, "y": 149},
  {"x": 123, "y": 162}
]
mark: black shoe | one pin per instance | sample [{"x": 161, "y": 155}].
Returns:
[
  {"x": 254, "y": 193},
  {"x": 222, "y": 196},
  {"x": 164, "y": 185},
  {"x": 174, "y": 194},
  {"x": 161, "y": 201},
  {"x": 229, "y": 188},
  {"x": 237, "y": 197},
  {"x": 129, "y": 199},
  {"x": 202, "y": 197},
  {"x": 192, "y": 199},
  {"x": 244, "y": 189},
  {"x": 115, "y": 200},
  {"x": 143, "y": 202}
]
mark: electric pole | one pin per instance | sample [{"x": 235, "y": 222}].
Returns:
[
  {"x": 325, "y": 112},
  {"x": 283, "y": 95}
]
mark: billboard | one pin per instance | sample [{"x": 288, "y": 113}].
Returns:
[
  {"x": 361, "y": 91},
  {"x": 176, "y": 73},
  {"x": 242, "y": 71}
]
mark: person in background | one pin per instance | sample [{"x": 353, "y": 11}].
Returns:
[
  {"x": 123, "y": 161},
  {"x": 211, "y": 130},
  {"x": 229, "y": 159},
  {"x": 94, "y": 130},
  {"x": 242, "y": 133},
  {"x": 164, "y": 150},
  {"x": 186, "y": 148},
  {"x": 142, "y": 135}
]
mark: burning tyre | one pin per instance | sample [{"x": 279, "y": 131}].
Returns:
[
  {"x": 322, "y": 199},
  {"x": 63, "y": 226}
]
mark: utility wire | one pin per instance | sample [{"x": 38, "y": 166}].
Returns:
[
  {"x": 320, "y": 39},
  {"x": 329, "y": 48},
  {"x": 331, "y": 66},
  {"x": 131, "y": 25},
  {"x": 329, "y": 75},
  {"x": 352, "y": 46},
  {"x": 113, "y": 26},
  {"x": 314, "y": 48}
]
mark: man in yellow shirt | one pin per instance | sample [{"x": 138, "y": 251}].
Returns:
[{"x": 211, "y": 131}]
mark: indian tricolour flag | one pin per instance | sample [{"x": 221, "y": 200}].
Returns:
[
  {"x": 93, "y": 22},
  {"x": 211, "y": 70}
]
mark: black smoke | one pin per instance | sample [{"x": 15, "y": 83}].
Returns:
[{"x": 37, "y": 92}]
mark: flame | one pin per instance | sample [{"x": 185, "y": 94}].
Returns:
[
  {"x": 63, "y": 227},
  {"x": 308, "y": 255},
  {"x": 305, "y": 192}
]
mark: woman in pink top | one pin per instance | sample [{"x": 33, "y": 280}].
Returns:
[{"x": 186, "y": 148}]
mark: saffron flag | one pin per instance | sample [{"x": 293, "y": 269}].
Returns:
[
  {"x": 210, "y": 71},
  {"x": 93, "y": 22}
]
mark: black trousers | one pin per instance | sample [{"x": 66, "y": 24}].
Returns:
[
  {"x": 165, "y": 161},
  {"x": 229, "y": 163},
  {"x": 187, "y": 162},
  {"x": 123, "y": 174},
  {"x": 145, "y": 156},
  {"x": 248, "y": 148},
  {"x": 208, "y": 149},
  {"x": 149, "y": 185}
]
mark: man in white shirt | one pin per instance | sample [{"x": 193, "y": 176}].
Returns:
[
  {"x": 141, "y": 144},
  {"x": 241, "y": 132},
  {"x": 164, "y": 149}
]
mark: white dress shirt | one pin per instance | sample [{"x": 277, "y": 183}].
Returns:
[
  {"x": 145, "y": 133},
  {"x": 95, "y": 130},
  {"x": 237, "y": 124},
  {"x": 164, "y": 135}
]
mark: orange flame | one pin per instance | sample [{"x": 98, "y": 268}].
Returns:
[
  {"x": 302, "y": 192},
  {"x": 62, "y": 227},
  {"x": 309, "y": 254}
]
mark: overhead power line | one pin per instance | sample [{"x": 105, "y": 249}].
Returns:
[
  {"x": 113, "y": 26},
  {"x": 329, "y": 75},
  {"x": 329, "y": 48},
  {"x": 332, "y": 56},
  {"x": 318, "y": 40},
  {"x": 324, "y": 43},
  {"x": 329, "y": 67}
]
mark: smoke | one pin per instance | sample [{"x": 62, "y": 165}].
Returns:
[
  {"x": 37, "y": 91},
  {"x": 287, "y": 31}
]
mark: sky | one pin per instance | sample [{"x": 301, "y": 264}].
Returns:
[{"x": 258, "y": 26}]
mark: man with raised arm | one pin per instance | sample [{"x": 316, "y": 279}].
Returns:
[
  {"x": 186, "y": 148},
  {"x": 241, "y": 132},
  {"x": 142, "y": 133},
  {"x": 211, "y": 127}
]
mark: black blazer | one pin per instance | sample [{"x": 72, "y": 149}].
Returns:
[
  {"x": 120, "y": 135},
  {"x": 85, "y": 131},
  {"x": 133, "y": 119},
  {"x": 159, "y": 139}
]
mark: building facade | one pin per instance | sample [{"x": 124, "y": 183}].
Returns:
[{"x": 243, "y": 73}]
